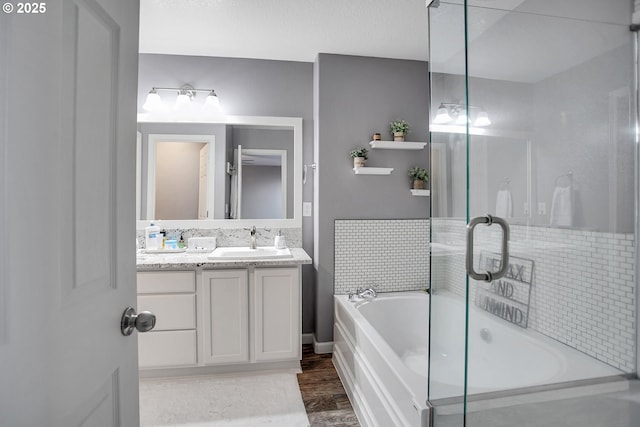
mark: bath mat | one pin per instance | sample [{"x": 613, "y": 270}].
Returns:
[{"x": 252, "y": 399}]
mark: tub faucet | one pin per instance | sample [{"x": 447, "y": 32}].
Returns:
[
  {"x": 252, "y": 238},
  {"x": 369, "y": 292},
  {"x": 362, "y": 294}
]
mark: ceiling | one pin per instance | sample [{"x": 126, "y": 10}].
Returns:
[
  {"x": 289, "y": 30},
  {"x": 527, "y": 45}
]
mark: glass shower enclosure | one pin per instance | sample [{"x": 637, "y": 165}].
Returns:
[{"x": 533, "y": 165}]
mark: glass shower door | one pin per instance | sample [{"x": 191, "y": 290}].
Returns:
[{"x": 531, "y": 122}]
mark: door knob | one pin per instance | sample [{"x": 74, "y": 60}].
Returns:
[{"x": 143, "y": 322}]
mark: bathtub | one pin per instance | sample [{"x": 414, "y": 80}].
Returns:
[{"x": 381, "y": 355}]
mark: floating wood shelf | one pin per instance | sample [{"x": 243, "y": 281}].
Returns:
[{"x": 420, "y": 192}]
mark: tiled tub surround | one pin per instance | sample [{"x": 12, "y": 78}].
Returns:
[
  {"x": 583, "y": 282},
  {"x": 232, "y": 236},
  {"x": 388, "y": 255}
]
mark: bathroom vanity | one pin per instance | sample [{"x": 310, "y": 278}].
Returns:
[{"x": 220, "y": 315}]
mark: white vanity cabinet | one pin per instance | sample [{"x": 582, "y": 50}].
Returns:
[
  {"x": 171, "y": 296},
  {"x": 251, "y": 315},
  {"x": 222, "y": 319}
]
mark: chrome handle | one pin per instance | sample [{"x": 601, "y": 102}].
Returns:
[
  {"x": 143, "y": 322},
  {"x": 489, "y": 220}
]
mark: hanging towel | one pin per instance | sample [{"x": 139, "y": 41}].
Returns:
[
  {"x": 562, "y": 207},
  {"x": 503, "y": 204}
]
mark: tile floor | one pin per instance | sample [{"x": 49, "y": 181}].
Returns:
[{"x": 324, "y": 397}]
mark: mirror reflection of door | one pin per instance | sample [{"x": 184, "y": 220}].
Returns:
[
  {"x": 180, "y": 185},
  {"x": 262, "y": 188},
  {"x": 202, "y": 182}
]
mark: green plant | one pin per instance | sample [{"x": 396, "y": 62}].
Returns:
[
  {"x": 399, "y": 126},
  {"x": 419, "y": 174},
  {"x": 360, "y": 152}
]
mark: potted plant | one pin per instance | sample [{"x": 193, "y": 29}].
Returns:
[
  {"x": 360, "y": 156},
  {"x": 419, "y": 177},
  {"x": 399, "y": 128}
]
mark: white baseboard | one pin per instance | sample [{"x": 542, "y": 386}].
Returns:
[
  {"x": 322, "y": 347},
  {"x": 307, "y": 338}
]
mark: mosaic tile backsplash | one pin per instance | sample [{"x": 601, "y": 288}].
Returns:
[
  {"x": 583, "y": 291},
  {"x": 388, "y": 255}
]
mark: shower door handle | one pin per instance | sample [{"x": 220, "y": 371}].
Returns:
[{"x": 488, "y": 220}]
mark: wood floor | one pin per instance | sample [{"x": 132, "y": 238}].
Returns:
[{"x": 324, "y": 397}]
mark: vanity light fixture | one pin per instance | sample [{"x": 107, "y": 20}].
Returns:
[
  {"x": 462, "y": 117},
  {"x": 482, "y": 119},
  {"x": 449, "y": 112},
  {"x": 153, "y": 100},
  {"x": 185, "y": 97},
  {"x": 442, "y": 115}
]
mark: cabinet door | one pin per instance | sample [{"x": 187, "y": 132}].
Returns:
[
  {"x": 226, "y": 313},
  {"x": 277, "y": 314}
]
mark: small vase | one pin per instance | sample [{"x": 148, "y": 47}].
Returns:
[
  {"x": 398, "y": 136},
  {"x": 359, "y": 162},
  {"x": 418, "y": 184}
]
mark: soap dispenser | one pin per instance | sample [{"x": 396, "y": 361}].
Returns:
[
  {"x": 279, "y": 241},
  {"x": 152, "y": 237}
]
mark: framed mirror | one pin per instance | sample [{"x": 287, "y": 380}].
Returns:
[{"x": 233, "y": 172}]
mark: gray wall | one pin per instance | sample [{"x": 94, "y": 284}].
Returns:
[
  {"x": 248, "y": 87},
  {"x": 261, "y": 192},
  {"x": 356, "y": 97},
  {"x": 583, "y": 124}
]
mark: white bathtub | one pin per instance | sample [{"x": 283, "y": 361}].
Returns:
[{"x": 380, "y": 353}]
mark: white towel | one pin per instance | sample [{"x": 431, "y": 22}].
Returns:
[
  {"x": 503, "y": 204},
  {"x": 562, "y": 207}
]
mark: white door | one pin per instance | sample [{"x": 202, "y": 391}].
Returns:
[
  {"x": 203, "y": 202},
  {"x": 237, "y": 158},
  {"x": 68, "y": 77}
]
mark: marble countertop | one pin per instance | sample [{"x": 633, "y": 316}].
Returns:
[{"x": 191, "y": 260}]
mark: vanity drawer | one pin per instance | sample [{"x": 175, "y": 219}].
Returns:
[
  {"x": 172, "y": 311},
  {"x": 167, "y": 349},
  {"x": 156, "y": 282}
]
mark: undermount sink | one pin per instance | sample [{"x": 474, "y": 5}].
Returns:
[{"x": 247, "y": 253}]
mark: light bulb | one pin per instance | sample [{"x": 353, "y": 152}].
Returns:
[
  {"x": 482, "y": 119},
  {"x": 462, "y": 118},
  {"x": 182, "y": 101},
  {"x": 153, "y": 101},
  {"x": 212, "y": 102},
  {"x": 442, "y": 115}
]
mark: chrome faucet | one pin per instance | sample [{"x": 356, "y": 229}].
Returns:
[
  {"x": 361, "y": 294},
  {"x": 252, "y": 238}
]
